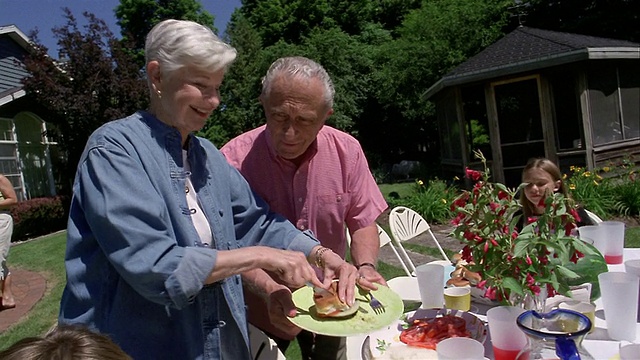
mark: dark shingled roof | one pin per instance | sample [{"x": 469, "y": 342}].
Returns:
[
  {"x": 527, "y": 43},
  {"x": 528, "y": 48}
]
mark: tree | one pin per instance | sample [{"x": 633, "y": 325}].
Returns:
[
  {"x": 239, "y": 109},
  {"x": 137, "y": 17},
  {"x": 96, "y": 81},
  {"x": 430, "y": 42},
  {"x": 617, "y": 19}
]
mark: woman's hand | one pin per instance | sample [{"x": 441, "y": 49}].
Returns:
[
  {"x": 347, "y": 274},
  {"x": 291, "y": 267}
]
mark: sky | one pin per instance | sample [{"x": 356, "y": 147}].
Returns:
[{"x": 46, "y": 14}]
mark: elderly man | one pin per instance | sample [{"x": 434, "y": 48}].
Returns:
[{"x": 318, "y": 178}]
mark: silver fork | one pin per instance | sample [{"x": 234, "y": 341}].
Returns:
[{"x": 375, "y": 304}]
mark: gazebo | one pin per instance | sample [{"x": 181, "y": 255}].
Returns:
[{"x": 536, "y": 93}]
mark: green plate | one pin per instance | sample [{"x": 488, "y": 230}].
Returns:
[{"x": 364, "y": 321}]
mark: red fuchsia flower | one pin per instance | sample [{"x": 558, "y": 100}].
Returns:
[
  {"x": 551, "y": 291},
  {"x": 531, "y": 219},
  {"x": 544, "y": 260},
  {"x": 458, "y": 219},
  {"x": 494, "y": 242},
  {"x": 575, "y": 214},
  {"x": 486, "y": 247},
  {"x": 481, "y": 284},
  {"x": 502, "y": 195},
  {"x": 568, "y": 228},
  {"x": 576, "y": 255},
  {"x": 541, "y": 202},
  {"x": 528, "y": 260},
  {"x": 490, "y": 293},
  {"x": 514, "y": 235},
  {"x": 535, "y": 289},
  {"x": 466, "y": 254},
  {"x": 473, "y": 174},
  {"x": 530, "y": 280},
  {"x": 494, "y": 206},
  {"x": 469, "y": 235}
]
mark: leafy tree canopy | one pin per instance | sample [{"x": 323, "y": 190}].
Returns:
[{"x": 95, "y": 81}]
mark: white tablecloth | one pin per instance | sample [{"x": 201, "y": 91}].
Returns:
[{"x": 597, "y": 343}]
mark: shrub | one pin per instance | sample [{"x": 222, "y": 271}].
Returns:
[
  {"x": 626, "y": 194},
  {"x": 39, "y": 216},
  {"x": 432, "y": 200},
  {"x": 590, "y": 190}
]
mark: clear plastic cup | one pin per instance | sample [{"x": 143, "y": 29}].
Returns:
[
  {"x": 457, "y": 348},
  {"x": 620, "y": 300},
  {"x": 430, "y": 283},
  {"x": 506, "y": 337},
  {"x": 614, "y": 241}
]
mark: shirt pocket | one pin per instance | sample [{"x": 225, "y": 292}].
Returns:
[{"x": 334, "y": 205}]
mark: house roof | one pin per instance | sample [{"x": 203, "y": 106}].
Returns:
[
  {"x": 13, "y": 46},
  {"x": 526, "y": 49}
]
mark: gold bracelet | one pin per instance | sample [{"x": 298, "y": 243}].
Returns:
[{"x": 319, "y": 260}]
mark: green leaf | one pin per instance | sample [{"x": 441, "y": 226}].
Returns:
[
  {"x": 513, "y": 285},
  {"x": 566, "y": 273},
  {"x": 521, "y": 247},
  {"x": 588, "y": 268}
]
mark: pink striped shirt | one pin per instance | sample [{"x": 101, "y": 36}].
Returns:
[{"x": 333, "y": 186}]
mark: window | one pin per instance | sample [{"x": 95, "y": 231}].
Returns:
[{"x": 614, "y": 95}]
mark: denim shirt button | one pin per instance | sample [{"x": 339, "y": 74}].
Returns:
[{"x": 222, "y": 323}]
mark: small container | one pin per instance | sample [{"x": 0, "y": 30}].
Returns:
[{"x": 554, "y": 335}]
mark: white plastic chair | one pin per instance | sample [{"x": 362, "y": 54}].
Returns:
[
  {"x": 406, "y": 224},
  {"x": 595, "y": 218},
  {"x": 385, "y": 239}
]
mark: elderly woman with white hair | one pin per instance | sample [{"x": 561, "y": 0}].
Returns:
[{"x": 160, "y": 226}]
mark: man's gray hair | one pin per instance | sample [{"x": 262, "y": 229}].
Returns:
[
  {"x": 179, "y": 43},
  {"x": 297, "y": 66}
]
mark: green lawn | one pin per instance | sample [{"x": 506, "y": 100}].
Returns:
[
  {"x": 401, "y": 189},
  {"x": 46, "y": 256}
]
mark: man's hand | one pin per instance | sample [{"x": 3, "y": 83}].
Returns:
[
  {"x": 281, "y": 308},
  {"x": 369, "y": 276}
]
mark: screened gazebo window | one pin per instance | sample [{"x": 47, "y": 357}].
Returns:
[{"x": 614, "y": 96}]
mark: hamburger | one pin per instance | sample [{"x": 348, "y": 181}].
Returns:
[{"x": 329, "y": 305}]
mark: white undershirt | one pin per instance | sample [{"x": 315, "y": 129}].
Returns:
[{"x": 197, "y": 215}]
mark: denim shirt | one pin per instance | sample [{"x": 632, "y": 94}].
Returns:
[{"x": 135, "y": 265}]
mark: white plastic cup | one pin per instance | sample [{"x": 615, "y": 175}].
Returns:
[
  {"x": 633, "y": 267},
  {"x": 430, "y": 280},
  {"x": 506, "y": 337},
  {"x": 630, "y": 352},
  {"x": 614, "y": 241},
  {"x": 459, "y": 348},
  {"x": 620, "y": 300},
  {"x": 594, "y": 233}
]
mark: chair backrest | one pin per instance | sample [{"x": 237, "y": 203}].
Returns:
[
  {"x": 385, "y": 239},
  {"x": 406, "y": 224},
  {"x": 595, "y": 218}
]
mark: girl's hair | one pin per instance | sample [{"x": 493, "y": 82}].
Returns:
[
  {"x": 67, "y": 342},
  {"x": 299, "y": 67},
  {"x": 550, "y": 168},
  {"x": 179, "y": 43}
]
